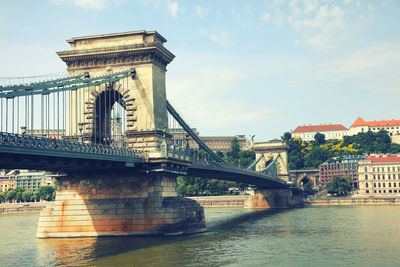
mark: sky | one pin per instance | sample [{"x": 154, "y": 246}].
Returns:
[{"x": 242, "y": 67}]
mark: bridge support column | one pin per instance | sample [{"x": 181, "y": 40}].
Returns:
[
  {"x": 142, "y": 204},
  {"x": 275, "y": 198}
]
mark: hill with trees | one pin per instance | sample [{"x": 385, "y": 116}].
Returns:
[{"x": 309, "y": 155}]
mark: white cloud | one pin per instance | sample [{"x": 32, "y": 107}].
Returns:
[
  {"x": 363, "y": 63},
  {"x": 220, "y": 38},
  {"x": 277, "y": 18},
  {"x": 90, "y": 4},
  {"x": 318, "y": 24},
  {"x": 266, "y": 17},
  {"x": 199, "y": 11},
  {"x": 85, "y": 4},
  {"x": 172, "y": 8}
]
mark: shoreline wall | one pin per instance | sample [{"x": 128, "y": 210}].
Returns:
[
  {"x": 23, "y": 207},
  {"x": 218, "y": 202},
  {"x": 352, "y": 201},
  {"x": 221, "y": 201}
]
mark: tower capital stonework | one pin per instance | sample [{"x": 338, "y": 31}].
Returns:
[{"x": 116, "y": 50}]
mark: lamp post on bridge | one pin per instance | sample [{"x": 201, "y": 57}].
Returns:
[
  {"x": 23, "y": 130},
  {"x": 80, "y": 125}
]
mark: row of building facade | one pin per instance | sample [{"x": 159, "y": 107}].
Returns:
[
  {"x": 376, "y": 174},
  {"x": 29, "y": 180},
  {"x": 338, "y": 131}
]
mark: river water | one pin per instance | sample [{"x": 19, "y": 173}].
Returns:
[{"x": 314, "y": 236}]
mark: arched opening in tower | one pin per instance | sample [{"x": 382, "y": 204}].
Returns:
[
  {"x": 110, "y": 119},
  {"x": 304, "y": 181}
]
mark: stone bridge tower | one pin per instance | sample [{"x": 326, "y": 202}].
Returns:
[
  {"x": 144, "y": 97},
  {"x": 269, "y": 151}
]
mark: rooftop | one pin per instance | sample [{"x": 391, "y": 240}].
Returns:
[
  {"x": 320, "y": 128},
  {"x": 361, "y": 122},
  {"x": 384, "y": 158}
]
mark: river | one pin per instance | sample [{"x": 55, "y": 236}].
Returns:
[{"x": 314, "y": 236}]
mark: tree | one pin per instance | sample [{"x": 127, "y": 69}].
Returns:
[
  {"x": 10, "y": 194},
  {"x": 319, "y": 139},
  {"x": 46, "y": 192},
  {"x": 18, "y": 195},
  {"x": 316, "y": 157},
  {"x": 27, "y": 196},
  {"x": 308, "y": 188},
  {"x": 286, "y": 137},
  {"x": 340, "y": 185},
  {"x": 2, "y": 197},
  {"x": 36, "y": 196}
]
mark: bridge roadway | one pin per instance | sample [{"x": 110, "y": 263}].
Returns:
[{"x": 30, "y": 152}]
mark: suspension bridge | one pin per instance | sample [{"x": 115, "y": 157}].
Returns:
[{"x": 106, "y": 127}]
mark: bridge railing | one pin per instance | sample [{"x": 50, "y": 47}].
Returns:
[{"x": 27, "y": 141}]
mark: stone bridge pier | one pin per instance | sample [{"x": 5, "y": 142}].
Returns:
[
  {"x": 101, "y": 205},
  {"x": 275, "y": 198}
]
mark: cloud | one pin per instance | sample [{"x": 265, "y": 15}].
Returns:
[
  {"x": 172, "y": 8},
  {"x": 318, "y": 24},
  {"x": 90, "y": 4},
  {"x": 266, "y": 17},
  {"x": 220, "y": 38},
  {"x": 84, "y": 4},
  {"x": 363, "y": 63},
  {"x": 199, "y": 11},
  {"x": 319, "y": 29}
]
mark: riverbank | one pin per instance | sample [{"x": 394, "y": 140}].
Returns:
[
  {"x": 352, "y": 201},
  {"x": 206, "y": 201},
  {"x": 7, "y": 208},
  {"x": 221, "y": 201}
]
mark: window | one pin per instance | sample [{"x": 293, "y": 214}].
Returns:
[
  {"x": 366, "y": 185},
  {"x": 390, "y": 191},
  {"x": 383, "y": 184},
  {"x": 394, "y": 184},
  {"x": 374, "y": 184},
  {"x": 394, "y": 169},
  {"x": 383, "y": 177},
  {"x": 380, "y": 191},
  {"x": 384, "y": 191},
  {"x": 367, "y": 191},
  {"x": 374, "y": 191},
  {"x": 390, "y": 185},
  {"x": 366, "y": 177},
  {"x": 373, "y": 169},
  {"x": 373, "y": 177},
  {"x": 388, "y": 176},
  {"x": 379, "y": 176},
  {"x": 379, "y": 184},
  {"x": 388, "y": 169},
  {"x": 365, "y": 169},
  {"x": 395, "y": 191}
]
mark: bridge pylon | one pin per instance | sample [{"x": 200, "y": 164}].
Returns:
[
  {"x": 267, "y": 152},
  {"x": 143, "y": 97}
]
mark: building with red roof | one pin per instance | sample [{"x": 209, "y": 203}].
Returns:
[
  {"x": 379, "y": 175},
  {"x": 361, "y": 125},
  {"x": 331, "y": 131}
]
